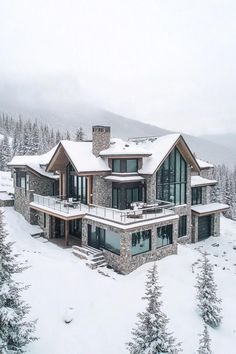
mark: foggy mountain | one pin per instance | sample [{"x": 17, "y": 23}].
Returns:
[{"x": 65, "y": 111}]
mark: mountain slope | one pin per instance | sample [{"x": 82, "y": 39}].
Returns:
[
  {"x": 226, "y": 140},
  {"x": 72, "y": 116}
]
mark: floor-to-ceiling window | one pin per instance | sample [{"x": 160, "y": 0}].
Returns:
[
  {"x": 76, "y": 185},
  {"x": 171, "y": 179},
  {"x": 123, "y": 194}
]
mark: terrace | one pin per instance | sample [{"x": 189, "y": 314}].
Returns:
[{"x": 69, "y": 209}]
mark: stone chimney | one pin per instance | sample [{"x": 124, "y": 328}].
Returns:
[{"x": 101, "y": 138}]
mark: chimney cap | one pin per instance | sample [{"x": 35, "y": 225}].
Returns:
[{"x": 101, "y": 128}]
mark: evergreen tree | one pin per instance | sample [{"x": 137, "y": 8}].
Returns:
[
  {"x": 208, "y": 303},
  {"x": 151, "y": 335},
  {"x": 204, "y": 343},
  {"x": 15, "y": 331},
  {"x": 79, "y": 134},
  {"x": 5, "y": 155}
]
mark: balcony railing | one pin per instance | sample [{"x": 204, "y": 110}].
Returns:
[{"x": 70, "y": 207}]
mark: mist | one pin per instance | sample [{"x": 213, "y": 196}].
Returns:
[{"x": 167, "y": 63}]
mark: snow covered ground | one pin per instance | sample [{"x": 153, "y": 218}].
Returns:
[
  {"x": 105, "y": 307},
  {"x": 6, "y": 182}
]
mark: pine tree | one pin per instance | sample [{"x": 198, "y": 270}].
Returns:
[
  {"x": 15, "y": 331},
  {"x": 79, "y": 134},
  {"x": 204, "y": 343},
  {"x": 208, "y": 303},
  {"x": 5, "y": 155},
  {"x": 151, "y": 335}
]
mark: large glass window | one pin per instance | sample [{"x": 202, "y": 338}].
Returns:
[
  {"x": 196, "y": 195},
  {"x": 124, "y": 165},
  {"x": 101, "y": 238},
  {"x": 182, "y": 225},
  {"x": 141, "y": 242},
  {"x": 116, "y": 198},
  {"x": 21, "y": 179},
  {"x": 112, "y": 241},
  {"x": 164, "y": 235},
  {"x": 76, "y": 185},
  {"x": 171, "y": 179}
]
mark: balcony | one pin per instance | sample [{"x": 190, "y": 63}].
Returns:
[{"x": 69, "y": 209}]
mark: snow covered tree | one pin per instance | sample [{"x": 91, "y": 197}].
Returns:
[
  {"x": 208, "y": 303},
  {"x": 79, "y": 134},
  {"x": 151, "y": 335},
  {"x": 5, "y": 155},
  {"x": 204, "y": 343},
  {"x": 15, "y": 330}
]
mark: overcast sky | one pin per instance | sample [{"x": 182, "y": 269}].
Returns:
[{"x": 167, "y": 62}]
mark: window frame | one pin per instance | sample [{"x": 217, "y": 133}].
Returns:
[
  {"x": 141, "y": 234},
  {"x": 165, "y": 229},
  {"x": 182, "y": 229},
  {"x": 171, "y": 179}
]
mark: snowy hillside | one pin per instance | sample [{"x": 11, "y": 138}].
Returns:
[
  {"x": 105, "y": 307},
  {"x": 6, "y": 182}
]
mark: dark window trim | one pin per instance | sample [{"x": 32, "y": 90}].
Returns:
[
  {"x": 196, "y": 195},
  {"x": 150, "y": 242},
  {"x": 182, "y": 230},
  {"x": 123, "y": 165},
  {"x": 164, "y": 186},
  {"x": 160, "y": 228}
]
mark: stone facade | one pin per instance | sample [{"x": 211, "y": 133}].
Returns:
[
  {"x": 22, "y": 199},
  {"x": 35, "y": 184},
  {"x": 101, "y": 139},
  {"x": 125, "y": 262},
  {"x": 102, "y": 192}
]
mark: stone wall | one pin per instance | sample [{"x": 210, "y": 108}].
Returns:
[
  {"x": 101, "y": 139},
  {"x": 22, "y": 200},
  {"x": 40, "y": 185},
  {"x": 125, "y": 262},
  {"x": 102, "y": 192},
  {"x": 36, "y": 184}
]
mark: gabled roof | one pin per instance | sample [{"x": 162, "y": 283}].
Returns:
[
  {"x": 36, "y": 163},
  {"x": 80, "y": 154},
  {"x": 160, "y": 148}
]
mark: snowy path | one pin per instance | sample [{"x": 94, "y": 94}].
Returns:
[{"x": 105, "y": 307}]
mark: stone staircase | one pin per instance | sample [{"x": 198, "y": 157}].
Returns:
[{"x": 94, "y": 258}]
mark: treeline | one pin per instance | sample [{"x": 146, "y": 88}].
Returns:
[
  {"x": 24, "y": 137},
  {"x": 225, "y": 190}
]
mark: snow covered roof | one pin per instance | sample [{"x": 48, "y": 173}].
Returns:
[
  {"x": 209, "y": 208},
  {"x": 116, "y": 178},
  {"x": 160, "y": 148},
  {"x": 203, "y": 164},
  {"x": 81, "y": 156},
  {"x": 36, "y": 163},
  {"x": 197, "y": 181},
  {"x": 120, "y": 147}
]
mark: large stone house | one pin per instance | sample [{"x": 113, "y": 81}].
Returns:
[{"x": 134, "y": 200}]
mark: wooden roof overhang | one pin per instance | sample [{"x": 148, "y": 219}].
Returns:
[{"x": 60, "y": 160}]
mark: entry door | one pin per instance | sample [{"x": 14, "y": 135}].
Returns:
[{"x": 204, "y": 227}]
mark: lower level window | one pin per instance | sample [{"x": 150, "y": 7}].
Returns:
[
  {"x": 141, "y": 242},
  {"x": 164, "y": 235},
  {"x": 182, "y": 225}
]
